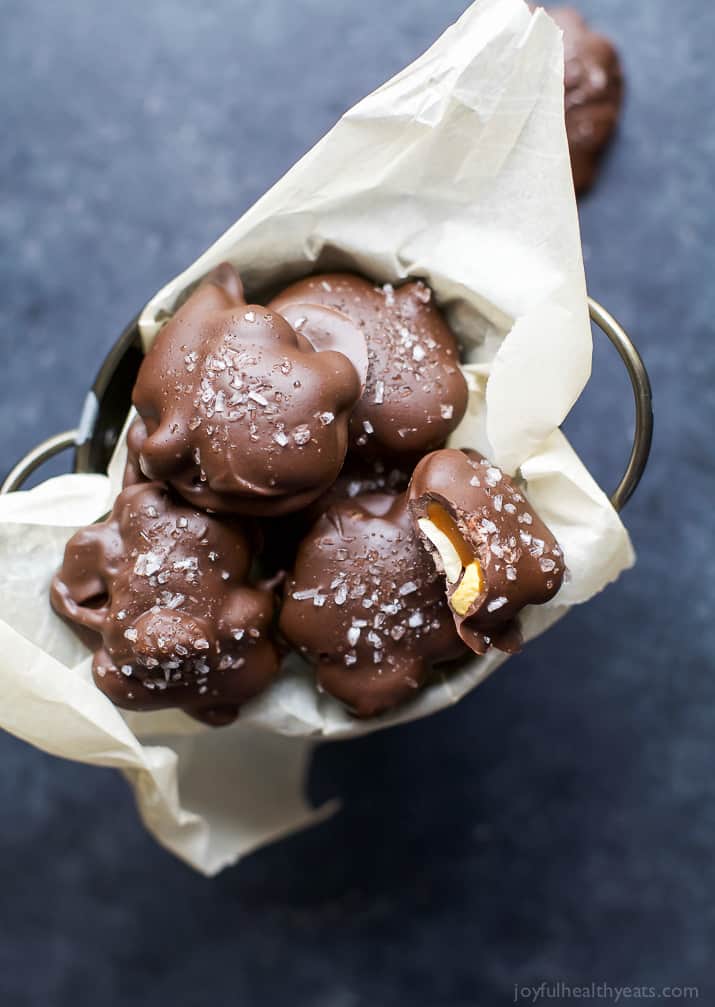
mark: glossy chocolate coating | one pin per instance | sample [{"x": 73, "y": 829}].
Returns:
[
  {"x": 415, "y": 395},
  {"x": 242, "y": 414},
  {"x": 520, "y": 560},
  {"x": 366, "y": 606},
  {"x": 159, "y": 590},
  {"x": 594, "y": 93},
  {"x": 136, "y": 435}
]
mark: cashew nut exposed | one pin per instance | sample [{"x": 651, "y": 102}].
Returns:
[{"x": 457, "y": 559}]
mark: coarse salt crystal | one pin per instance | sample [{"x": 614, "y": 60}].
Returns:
[
  {"x": 446, "y": 411},
  {"x": 147, "y": 563},
  {"x": 301, "y": 434},
  {"x": 496, "y": 603}
]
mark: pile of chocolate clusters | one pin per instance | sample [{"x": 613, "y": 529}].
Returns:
[{"x": 286, "y": 489}]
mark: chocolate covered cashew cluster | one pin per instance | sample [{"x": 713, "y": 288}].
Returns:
[
  {"x": 415, "y": 394},
  {"x": 594, "y": 93},
  {"x": 495, "y": 553},
  {"x": 242, "y": 414},
  {"x": 160, "y": 592},
  {"x": 366, "y": 607}
]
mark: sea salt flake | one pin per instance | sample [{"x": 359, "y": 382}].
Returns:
[
  {"x": 417, "y": 352},
  {"x": 131, "y": 635},
  {"x": 488, "y": 526},
  {"x": 510, "y": 508},
  {"x": 238, "y": 634},
  {"x": 326, "y": 418},
  {"x": 525, "y": 518},
  {"x": 250, "y": 316},
  {"x": 498, "y": 500},
  {"x": 341, "y": 595},
  {"x": 353, "y": 635},
  {"x": 301, "y": 434},
  {"x": 304, "y": 595},
  {"x": 280, "y": 438},
  {"x": 511, "y": 573},
  {"x": 219, "y": 402},
  {"x": 446, "y": 411},
  {"x": 201, "y": 644},
  {"x": 368, "y": 427},
  {"x": 474, "y": 481},
  {"x": 147, "y": 563},
  {"x": 409, "y": 587},
  {"x": 415, "y": 620},
  {"x": 493, "y": 475},
  {"x": 257, "y": 397},
  {"x": 546, "y": 565},
  {"x": 397, "y": 632},
  {"x": 126, "y": 669},
  {"x": 350, "y": 659},
  {"x": 319, "y": 600},
  {"x": 496, "y": 603},
  {"x": 379, "y": 393}
]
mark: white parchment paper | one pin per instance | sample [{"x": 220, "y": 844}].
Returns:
[{"x": 457, "y": 171}]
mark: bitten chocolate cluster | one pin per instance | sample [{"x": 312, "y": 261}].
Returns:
[{"x": 287, "y": 488}]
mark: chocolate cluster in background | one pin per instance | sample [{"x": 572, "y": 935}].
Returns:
[
  {"x": 286, "y": 488},
  {"x": 593, "y": 96}
]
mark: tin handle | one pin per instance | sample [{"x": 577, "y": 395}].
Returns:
[
  {"x": 640, "y": 383},
  {"x": 37, "y": 456}
]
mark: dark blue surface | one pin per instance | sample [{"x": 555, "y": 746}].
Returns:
[{"x": 560, "y": 823}]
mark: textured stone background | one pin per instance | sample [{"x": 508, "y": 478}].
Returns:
[{"x": 558, "y": 824}]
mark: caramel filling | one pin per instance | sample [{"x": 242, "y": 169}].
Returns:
[{"x": 461, "y": 566}]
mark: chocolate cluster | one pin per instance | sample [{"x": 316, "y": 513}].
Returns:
[
  {"x": 593, "y": 93},
  {"x": 161, "y": 592},
  {"x": 283, "y": 491},
  {"x": 495, "y": 553}
]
